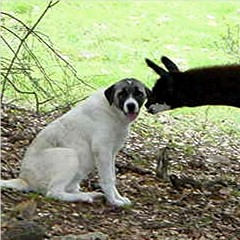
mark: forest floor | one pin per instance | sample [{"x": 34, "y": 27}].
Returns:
[{"x": 202, "y": 200}]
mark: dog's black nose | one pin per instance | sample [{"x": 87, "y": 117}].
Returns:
[{"x": 131, "y": 107}]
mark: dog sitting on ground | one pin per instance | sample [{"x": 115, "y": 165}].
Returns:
[
  {"x": 88, "y": 136},
  {"x": 217, "y": 85}
]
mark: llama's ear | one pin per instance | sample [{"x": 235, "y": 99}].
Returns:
[
  {"x": 109, "y": 94},
  {"x": 169, "y": 64},
  {"x": 160, "y": 71}
]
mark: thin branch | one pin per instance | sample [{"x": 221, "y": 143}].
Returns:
[
  {"x": 24, "y": 56},
  {"x": 51, "y": 4},
  {"x": 41, "y": 39}
]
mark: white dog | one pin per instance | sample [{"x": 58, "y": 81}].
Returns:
[{"x": 88, "y": 136}]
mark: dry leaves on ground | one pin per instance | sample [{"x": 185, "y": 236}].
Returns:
[{"x": 161, "y": 209}]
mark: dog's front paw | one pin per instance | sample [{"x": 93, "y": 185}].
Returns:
[
  {"x": 120, "y": 202},
  {"x": 126, "y": 201}
]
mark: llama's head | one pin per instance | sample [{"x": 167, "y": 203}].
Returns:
[{"x": 162, "y": 92}]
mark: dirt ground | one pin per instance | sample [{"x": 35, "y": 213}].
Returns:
[{"x": 201, "y": 200}]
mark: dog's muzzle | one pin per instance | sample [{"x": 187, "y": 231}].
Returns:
[{"x": 131, "y": 109}]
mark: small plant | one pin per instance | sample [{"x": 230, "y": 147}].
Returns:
[{"x": 230, "y": 42}]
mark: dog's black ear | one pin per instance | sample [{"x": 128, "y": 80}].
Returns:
[
  {"x": 169, "y": 64},
  {"x": 160, "y": 71},
  {"x": 109, "y": 94}
]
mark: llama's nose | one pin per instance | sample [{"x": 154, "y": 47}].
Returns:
[{"x": 150, "y": 110}]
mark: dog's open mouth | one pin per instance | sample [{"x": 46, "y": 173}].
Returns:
[
  {"x": 131, "y": 115},
  {"x": 131, "y": 109}
]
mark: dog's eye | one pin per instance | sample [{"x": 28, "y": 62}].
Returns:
[
  {"x": 122, "y": 94},
  {"x": 139, "y": 94}
]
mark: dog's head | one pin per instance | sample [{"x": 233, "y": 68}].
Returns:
[{"x": 128, "y": 95}]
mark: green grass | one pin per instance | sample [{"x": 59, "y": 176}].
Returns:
[{"x": 108, "y": 40}]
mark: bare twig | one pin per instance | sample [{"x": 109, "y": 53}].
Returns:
[
  {"x": 25, "y": 62},
  {"x": 41, "y": 39},
  {"x": 50, "y": 4}
]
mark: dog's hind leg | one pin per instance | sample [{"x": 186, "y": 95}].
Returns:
[
  {"x": 66, "y": 176},
  {"x": 73, "y": 197},
  {"x": 71, "y": 193},
  {"x": 17, "y": 183},
  {"x": 74, "y": 188}
]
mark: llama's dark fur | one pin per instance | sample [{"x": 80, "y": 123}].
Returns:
[{"x": 217, "y": 85}]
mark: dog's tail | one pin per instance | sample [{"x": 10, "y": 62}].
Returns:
[{"x": 18, "y": 184}]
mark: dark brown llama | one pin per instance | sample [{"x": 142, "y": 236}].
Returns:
[{"x": 217, "y": 85}]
